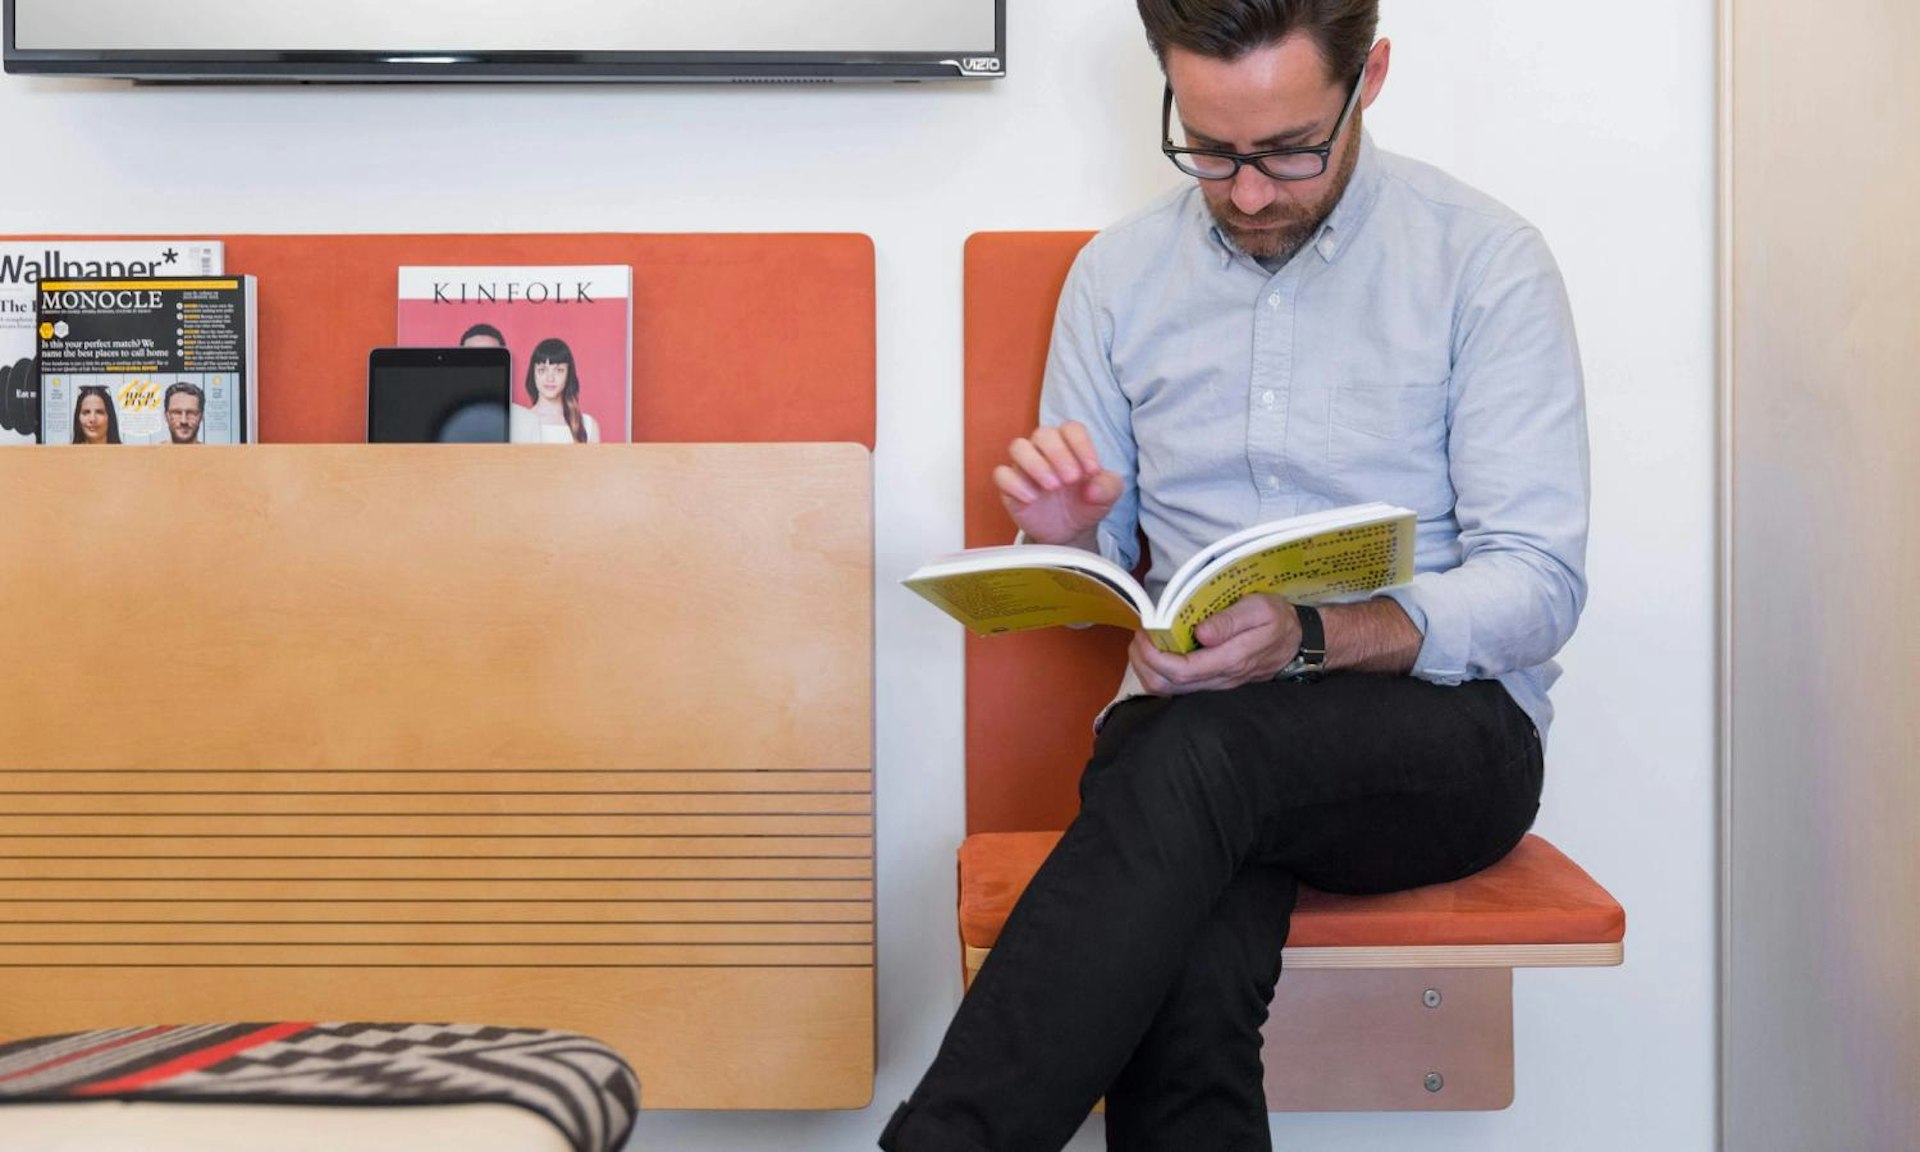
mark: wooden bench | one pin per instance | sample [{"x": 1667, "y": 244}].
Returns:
[{"x": 1389, "y": 1002}]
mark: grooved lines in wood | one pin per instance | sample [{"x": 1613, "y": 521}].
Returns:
[
  {"x": 439, "y": 709},
  {"x": 597, "y": 899},
  {"x": 623, "y": 828},
  {"x": 429, "y": 847},
  {"x": 437, "y": 805},
  {"x": 445, "y": 781},
  {"x": 527, "y": 913}
]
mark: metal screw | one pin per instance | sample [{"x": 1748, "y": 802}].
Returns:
[
  {"x": 1435, "y": 1082},
  {"x": 1431, "y": 998}
]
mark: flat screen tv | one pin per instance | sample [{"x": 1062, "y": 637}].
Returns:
[{"x": 532, "y": 40}]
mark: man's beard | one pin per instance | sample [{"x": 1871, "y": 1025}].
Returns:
[{"x": 1282, "y": 228}]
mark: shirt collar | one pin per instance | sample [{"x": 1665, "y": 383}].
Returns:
[
  {"x": 1347, "y": 216},
  {"x": 1354, "y": 206}
]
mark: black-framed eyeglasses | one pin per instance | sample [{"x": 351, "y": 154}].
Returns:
[{"x": 1278, "y": 163}]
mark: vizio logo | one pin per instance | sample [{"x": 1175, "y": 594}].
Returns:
[{"x": 977, "y": 65}]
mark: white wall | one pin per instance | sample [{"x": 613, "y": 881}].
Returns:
[{"x": 1594, "y": 120}]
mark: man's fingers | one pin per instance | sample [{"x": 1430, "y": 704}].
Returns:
[
  {"x": 1080, "y": 442},
  {"x": 1101, "y": 490},
  {"x": 1175, "y": 674},
  {"x": 1052, "y": 445},
  {"x": 1150, "y": 664},
  {"x": 1151, "y": 682},
  {"x": 1227, "y": 623},
  {"x": 1243, "y": 654},
  {"x": 1028, "y": 460},
  {"x": 1013, "y": 485},
  {"x": 1243, "y": 615},
  {"x": 1205, "y": 665},
  {"x": 1052, "y": 458}
]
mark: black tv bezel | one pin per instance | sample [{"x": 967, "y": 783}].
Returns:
[{"x": 455, "y": 66}]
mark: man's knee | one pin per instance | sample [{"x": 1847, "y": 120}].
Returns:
[
  {"x": 1210, "y": 740},
  {"x": 1230, "y": 975}
]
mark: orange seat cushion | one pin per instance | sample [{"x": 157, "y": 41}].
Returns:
[{"x": 1534, "y": 896}]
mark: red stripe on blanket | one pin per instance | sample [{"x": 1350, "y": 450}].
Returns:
[
  {"x": 86, "y": 1052},
  {"x": 192, "y": 1061}
]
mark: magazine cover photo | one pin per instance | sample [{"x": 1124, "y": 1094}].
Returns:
[
  {"x": 147, "y": 361},
  {"x": 568, "y": 329}
]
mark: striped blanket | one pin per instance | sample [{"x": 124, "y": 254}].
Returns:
[{"x": 580, "y": 1085}]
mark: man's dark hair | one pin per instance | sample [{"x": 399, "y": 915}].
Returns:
[
  {"x": 1229, "y": 29},
  {"x": 180, "y": 387}
]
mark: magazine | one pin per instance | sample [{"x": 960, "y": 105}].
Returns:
[
  {"x": 569, "y": 329},
  {"x": 170, "y": 361},
  {"x": 24, "y": 263},
  {"x": 1319, "y": 556}
]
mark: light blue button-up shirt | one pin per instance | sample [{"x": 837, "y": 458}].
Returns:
[{"x": 1419, "y": 351}]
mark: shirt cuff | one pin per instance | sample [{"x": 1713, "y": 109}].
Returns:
[
  {"x": 1109, "y": 546},
  {"x": 1130, "y": 687},
  {"x": 1446, "y": 633}
]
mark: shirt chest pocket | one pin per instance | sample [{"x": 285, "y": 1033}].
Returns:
[
  {"x": 1392, "y": 438},
  {"x": 1408, "y": 413}
]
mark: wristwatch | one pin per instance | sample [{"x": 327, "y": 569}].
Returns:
[{"x": 1310, "y": 662}]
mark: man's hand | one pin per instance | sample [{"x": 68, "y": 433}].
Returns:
[
  {"x": 1255, "y": 637},
  {"x": 1054, "y": 487},
  {"x": 1249, "y": 640}
]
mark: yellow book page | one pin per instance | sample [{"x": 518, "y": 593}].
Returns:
[
  {"x": 1016, "y": 599},
  {"x": 1331, "y": 564}
]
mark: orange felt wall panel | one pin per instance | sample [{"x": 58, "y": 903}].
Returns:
[
  {"x": 735, "y": 337},
  {"x": 1031, "y": 696}
]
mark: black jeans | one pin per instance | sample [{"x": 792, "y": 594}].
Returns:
[{"x": 1141, "y": 959}]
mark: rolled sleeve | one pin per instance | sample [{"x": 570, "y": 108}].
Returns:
[
  {"x": 1518, "y": 460},
  {"x": 1080, "y": 385}
]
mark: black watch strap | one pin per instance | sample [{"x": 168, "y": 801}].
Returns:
[{"x": 1310, "y": 663}]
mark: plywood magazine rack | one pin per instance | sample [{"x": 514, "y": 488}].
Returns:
[
  {"x": 575, "y": 738},
  {"x": 1389, "y": 1002}
]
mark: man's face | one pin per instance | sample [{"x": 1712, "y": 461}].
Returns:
[
  {"x": 183, "y": 418},
  {"x": 1279, "y": 96}
]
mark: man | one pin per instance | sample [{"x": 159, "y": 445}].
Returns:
[
  {"x": 1312, "y": 323},
  {"x": 482, "y": 336},
  {"x": 185, "y": 405}
]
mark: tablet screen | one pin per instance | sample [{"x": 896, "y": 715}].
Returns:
[{"x": 438, "y": 395}]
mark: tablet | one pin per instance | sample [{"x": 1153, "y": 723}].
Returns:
[{"x": 438, "y": 395}]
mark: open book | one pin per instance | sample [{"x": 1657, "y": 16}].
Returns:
[{"x": 1322, "y": 555}]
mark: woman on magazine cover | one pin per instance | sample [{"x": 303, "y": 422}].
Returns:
[
  {"x": 94, "y": 420},
  {"x": 553, "y": 413}
]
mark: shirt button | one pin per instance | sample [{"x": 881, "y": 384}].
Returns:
[
  {"x": 1273, "y": 301},
  {"x": 1267, "y": 397},
  {"x": 1273, "y": 482}
]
